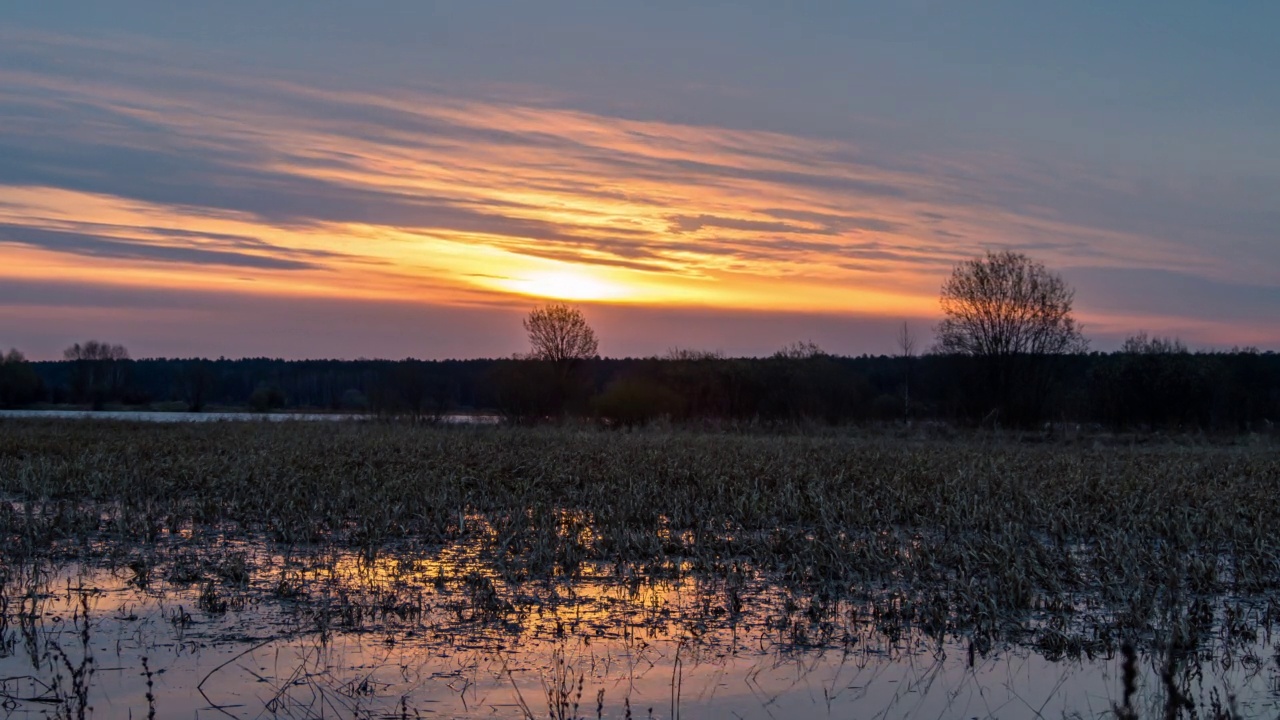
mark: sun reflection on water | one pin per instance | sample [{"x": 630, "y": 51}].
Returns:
[{"x": 237, "y": 626}]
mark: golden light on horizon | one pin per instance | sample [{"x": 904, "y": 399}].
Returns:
[
  {"x": 565, "y": 285},
  {"x": 561, "y": 206}
]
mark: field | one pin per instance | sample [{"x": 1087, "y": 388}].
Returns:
[{"x": 529, "y": 567}]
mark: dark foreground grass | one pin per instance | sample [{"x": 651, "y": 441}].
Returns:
[{"x": 1073, "y": 548}]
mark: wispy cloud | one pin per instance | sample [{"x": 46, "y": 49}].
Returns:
[
  {"x": 111, "y": 161},
  {"x": 107, "y": 246}
]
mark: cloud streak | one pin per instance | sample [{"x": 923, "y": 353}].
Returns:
[
  {"x": 446, "y": 198},
  {"x": 99, "y": 246}
]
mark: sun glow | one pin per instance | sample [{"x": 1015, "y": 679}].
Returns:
[
  {"x": 511, "y": 203},
  {"x": 565, "y": 285}
]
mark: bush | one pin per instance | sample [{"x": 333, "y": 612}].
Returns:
[
  {"x": 354, "y": 400},
  {"x": 637, "y": 401},
  {"x": 19, "y": 383},
  {"x": 266, "y": 397}
]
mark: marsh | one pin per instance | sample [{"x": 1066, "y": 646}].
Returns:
[{"x": 378, "y": 569}]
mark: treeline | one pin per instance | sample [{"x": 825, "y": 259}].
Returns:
[{"x": 1149, "y": 386}]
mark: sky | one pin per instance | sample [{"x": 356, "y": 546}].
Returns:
[{"x": 406, "y": 178}]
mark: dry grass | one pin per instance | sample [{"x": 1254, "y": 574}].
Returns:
[{"x": 1069, "y": 548}]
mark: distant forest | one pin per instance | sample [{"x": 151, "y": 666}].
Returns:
[
  {"x": 1150, "y": 386},
  {"x": 1009, "y": 353}
]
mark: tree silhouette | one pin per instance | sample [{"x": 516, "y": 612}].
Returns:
[
  {"x": 1007, "y": 304},
  {"x": 1011, "y": 314},
  {"x": 560, "y": 334},
  {"x": 19, "y": 383},
  {"x": 907, "y": 352},
  {"x": 196, "y": 382},
  {"x": 98, "y": 371},
  {"x": 560, "y": 340}
]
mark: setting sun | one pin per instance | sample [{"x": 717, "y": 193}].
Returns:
[
  {"x": 296, "y": 216},
  {"x": 565, "y": 285}
]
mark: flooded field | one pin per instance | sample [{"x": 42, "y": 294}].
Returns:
[
  {"x": 354, "y": 570},
  {"x": 212, "y": 627}
]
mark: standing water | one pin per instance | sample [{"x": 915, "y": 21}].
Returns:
[{"x": 238, "y": 628}]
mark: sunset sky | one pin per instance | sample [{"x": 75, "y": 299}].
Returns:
[{"x": 392, "y": 178}]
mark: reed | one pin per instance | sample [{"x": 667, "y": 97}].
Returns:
[{"x": 989, "y": 538}]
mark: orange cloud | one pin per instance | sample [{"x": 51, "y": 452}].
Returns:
[{"x": 190, "y": 180}]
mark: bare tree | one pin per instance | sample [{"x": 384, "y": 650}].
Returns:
[
  {"x": 98, "y": 371},
  {"x": 679, "y": 354},
  {"x": 1143, "y": 344},
  {"x": 906, "y": 351},
  {"x": 1012, "y": 315},
  {"x": 561, "y": 339},
  {"x": 1007, "y": 304},
  {"x": 560, "y": 334},
  {"x": 94, "y": 350},
  {"x": 906, "y": 341},
  {"x": 800, "y": 350}
]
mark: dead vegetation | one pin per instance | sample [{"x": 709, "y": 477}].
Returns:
[{"x": 1074, "y": 551}]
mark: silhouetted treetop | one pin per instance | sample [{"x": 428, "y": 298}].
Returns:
[
  {"x": 559, "y": 333},
  {"x": 1142, "y": 344},
  {"x": 1007, "y": 304},
  {"x": 800, "y": 350},
  {"x": 94, "y": 350}
]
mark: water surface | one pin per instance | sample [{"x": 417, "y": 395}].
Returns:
[{"x": 246, "y": 629}]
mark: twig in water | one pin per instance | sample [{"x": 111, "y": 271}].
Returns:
[{"x": 200, "y": 686}]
